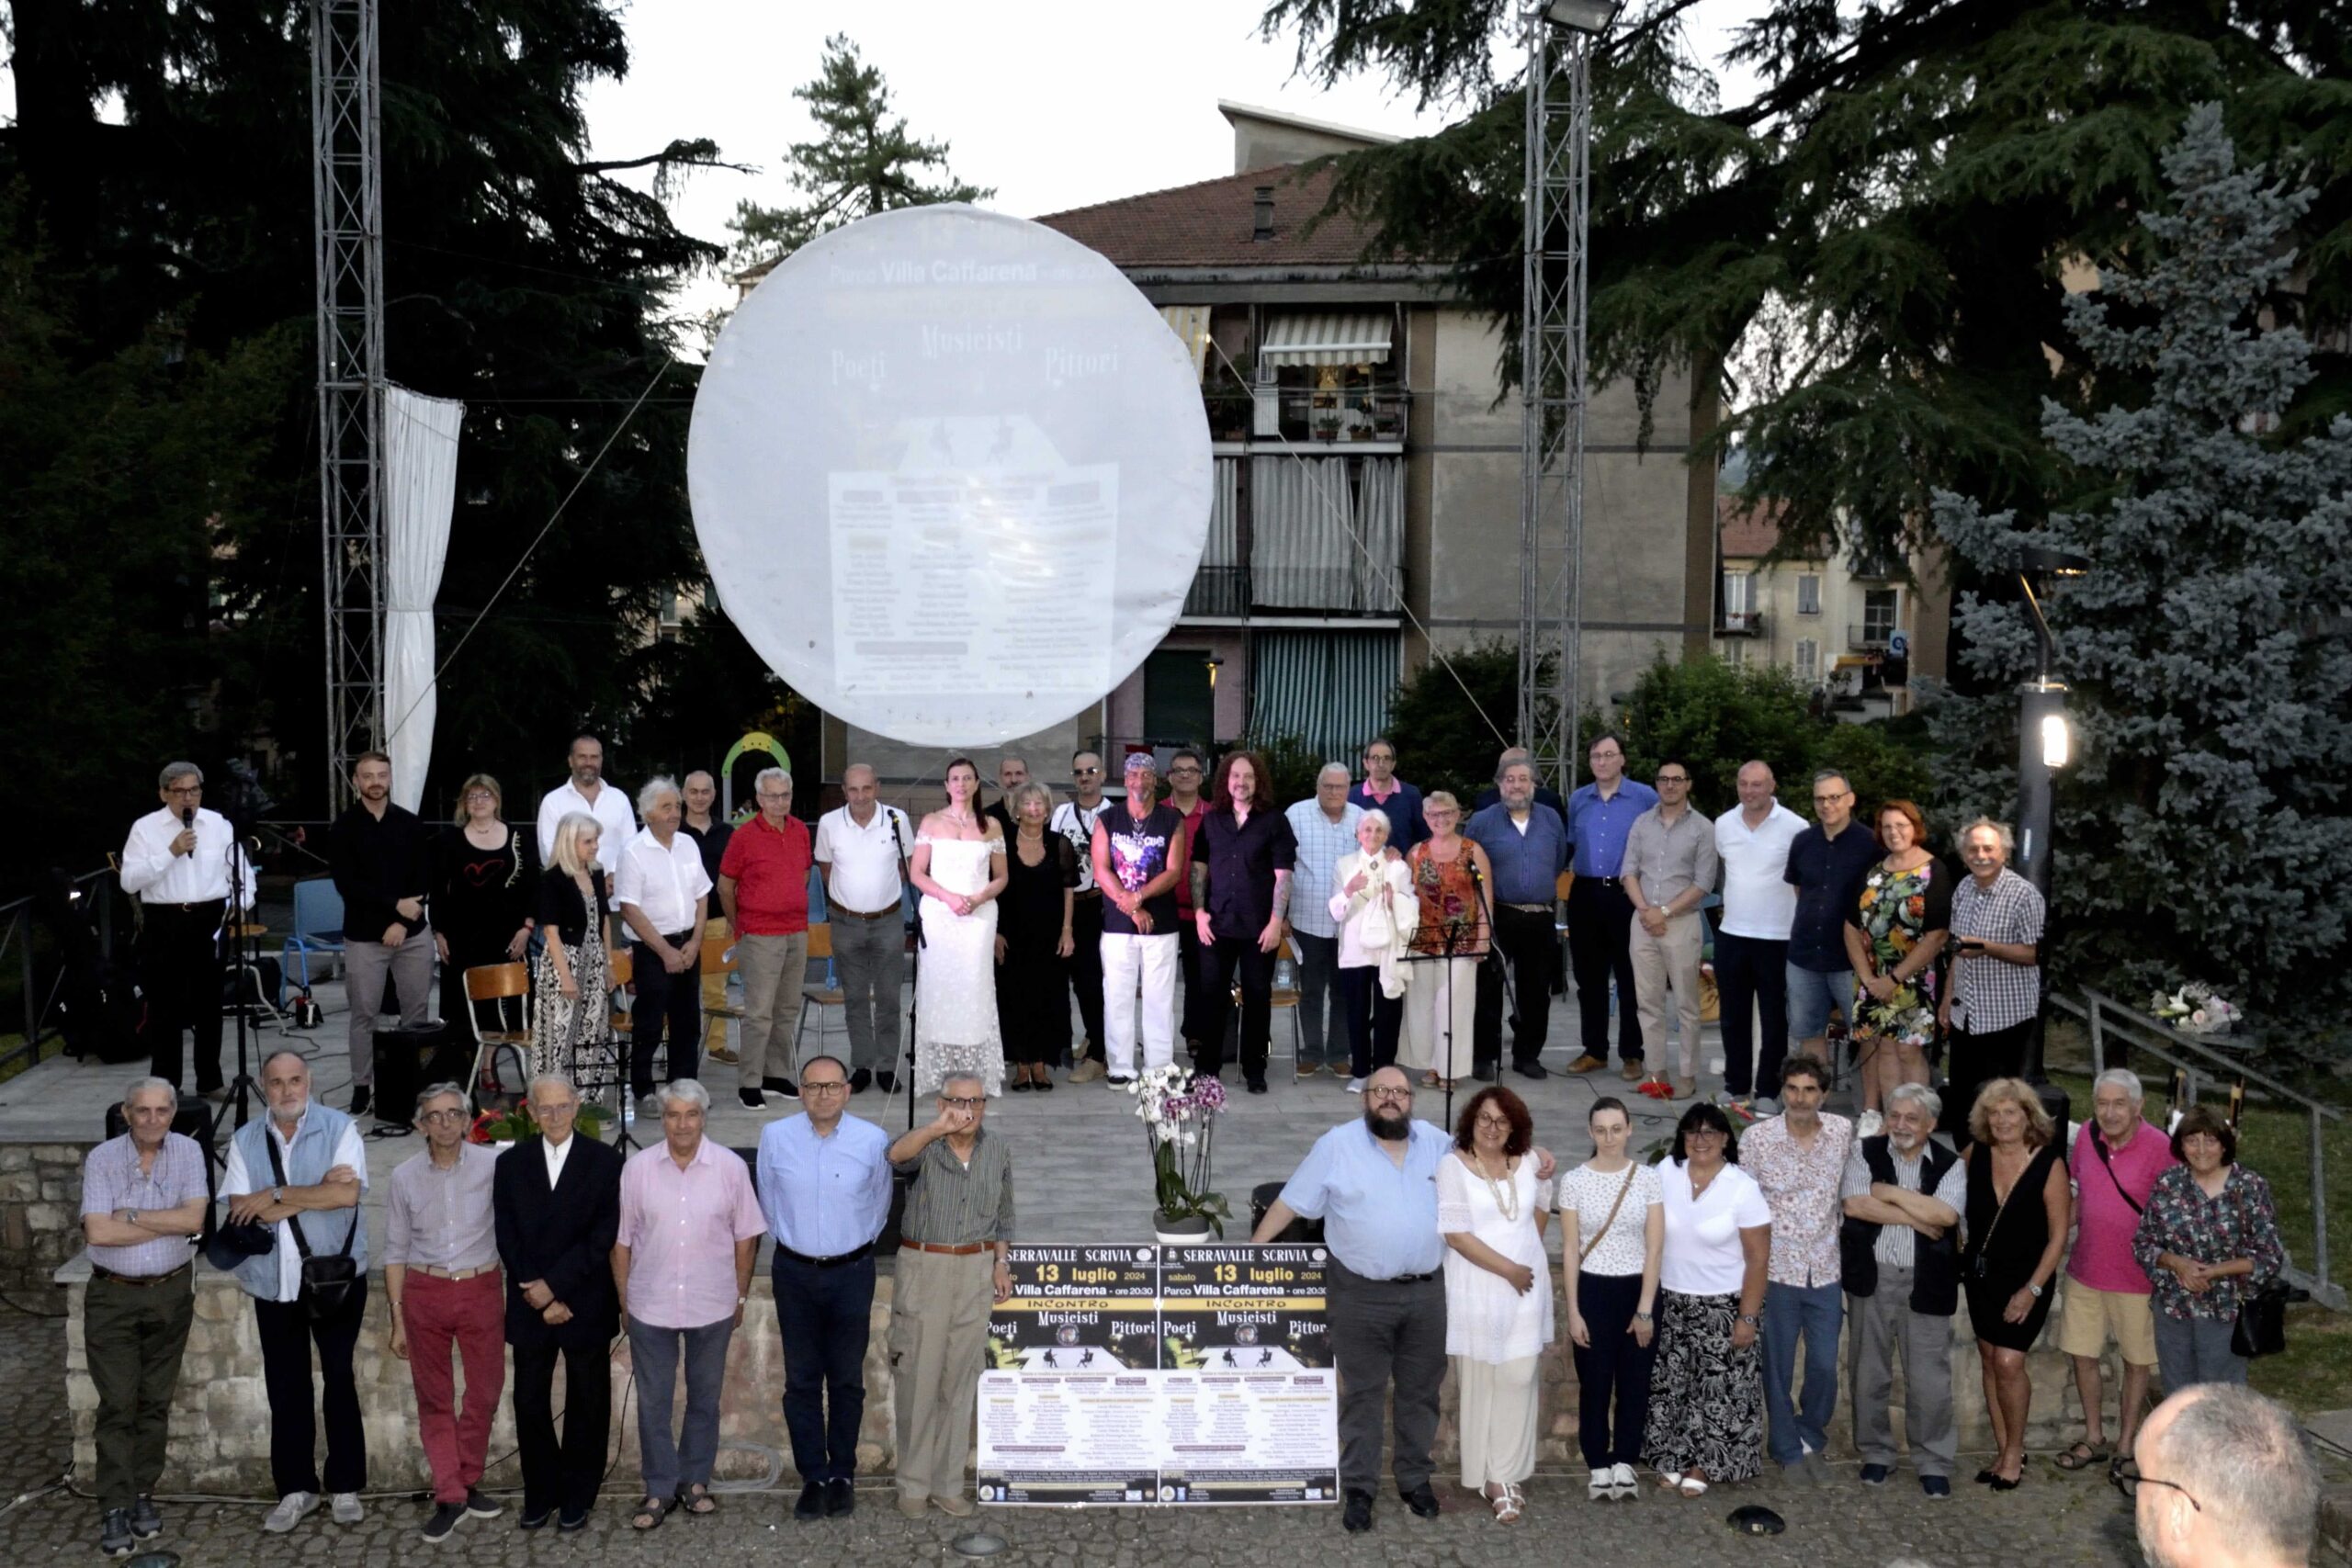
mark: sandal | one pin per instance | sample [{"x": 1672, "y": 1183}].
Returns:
[
  {"x": 696, "y": 1498},
  {"x": 1509, "y": 1505},
  {"x": 651, "y": 1513},
  {"x": 2082, "y": 1456},
  {"x": 1691, "y": 1487}
]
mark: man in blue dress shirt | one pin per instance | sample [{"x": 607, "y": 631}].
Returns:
[
  {"x": 1373, "y": 1182},
  {"x": 824, "y": 1181},
  {"x": 1527, "y": 846},
  {"x": 1601, "y": 916}
]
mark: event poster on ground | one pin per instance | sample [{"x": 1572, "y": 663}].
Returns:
[{"x": 1148, "y": 1374}]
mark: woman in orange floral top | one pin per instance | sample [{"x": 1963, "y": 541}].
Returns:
[
  {"x": 1895, "y": 937},
  {"x": 1451, "y": 877}
]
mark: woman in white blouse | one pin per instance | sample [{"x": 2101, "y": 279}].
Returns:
[
  {"x": 1707, "y": 1385},
  {"x": 1497, "y": 1291},
  {"x": 1612, "y": 1230},
  {"x": 1375, "y": 909}
]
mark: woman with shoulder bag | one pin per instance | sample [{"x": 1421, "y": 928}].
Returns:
[
  {"x": 1612, "y": 1233},
  {"x": 2210, "y": 1241}
]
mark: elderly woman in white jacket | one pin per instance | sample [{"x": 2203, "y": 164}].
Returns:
[{"x": 1376, "y": 911}]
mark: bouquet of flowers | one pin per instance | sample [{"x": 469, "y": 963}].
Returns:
[
  {"x": 512, "y": 1125},
  {"x": 1178, "y": 1113},
  {"x": 2196, "y": 1007}
]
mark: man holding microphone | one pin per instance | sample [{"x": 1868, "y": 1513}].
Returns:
[{"x": 179, "y": 863}]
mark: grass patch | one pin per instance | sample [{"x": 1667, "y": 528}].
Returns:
[{"x": 2314, "y": 1372}]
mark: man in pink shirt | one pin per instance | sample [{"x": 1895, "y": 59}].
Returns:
[
  {"x": 2115, "y": 1163},
  {"x": 689, "y": 1227}
]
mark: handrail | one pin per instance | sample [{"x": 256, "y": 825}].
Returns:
[{"x": 2153, "y": 1036}]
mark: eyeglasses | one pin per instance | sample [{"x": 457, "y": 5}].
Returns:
[
  {"x": 1388, "y": 1094},
  {"x": 1498, "y": 1123},
  {"x": 183, "y": 789},
  {"x": 480, "y": 794},
  {"x": 1184, "y": 768},
  {"x": 1705, "y": 1133},
  {"x": 1082, "y": 772},
  {"x": 1674, "y": 778},
  {"x": 439, "y": 1117},
  {"x": 775, "y": 795},
  {"x": 1833, "y": 799},
  {"x": 2127, "y": 1479},
  {"x": 962, "y": 1102},
  {"x": 836, "y": 1086}
]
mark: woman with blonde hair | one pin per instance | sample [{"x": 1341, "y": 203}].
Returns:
[
  {"x": 572, "y": 979},
  {"x": 2019, "y": 1208},
  {"x": 1450, "y": 878}
]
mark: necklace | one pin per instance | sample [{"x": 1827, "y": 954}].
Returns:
[
  {"x": 1505, "y": 1191},
  {"x": 1698, "y": 1186}
]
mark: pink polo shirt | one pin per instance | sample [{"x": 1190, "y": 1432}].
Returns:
[
  {"x": 681, "y": 1227},
  {"x": 2103, "y": 1256}
]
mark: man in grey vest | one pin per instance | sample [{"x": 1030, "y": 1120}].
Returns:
[
  {"x": 301, "y": 1170},
  {"x": 1900, "y": 1259}
]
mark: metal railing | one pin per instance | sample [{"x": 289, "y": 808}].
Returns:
[
  {"x": 2197, "y": 1059},
  {"x": 1869, "y": 636},
  {"x": 1741, "y": 623},
  {"x": 1308, "y": 416}
]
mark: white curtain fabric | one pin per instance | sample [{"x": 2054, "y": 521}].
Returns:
[
  {"x": 1306, "y": 518},
  {"x": 420, "y": 480}
]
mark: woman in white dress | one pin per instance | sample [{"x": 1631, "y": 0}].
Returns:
[
  {"x": 1613, "y": 1234},
  {"x": 1497, "y": 1292},
  {"x": 958, "y": 867}
]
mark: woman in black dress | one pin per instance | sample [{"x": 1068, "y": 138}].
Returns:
[
  {"x": 2019, "y": 1209},
  {"x": 1032, "y": 938},
  {"x": 485, "y": 891}
]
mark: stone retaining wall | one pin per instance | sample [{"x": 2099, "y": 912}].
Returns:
[
  {"x": 221, "y": 1416},
  {"x": 40, "y": 1208}
]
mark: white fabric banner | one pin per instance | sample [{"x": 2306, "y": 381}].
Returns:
[{"x": 420, "y": 480}]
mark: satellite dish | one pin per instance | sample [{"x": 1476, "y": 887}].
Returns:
[{"x": 951, "y": 474}]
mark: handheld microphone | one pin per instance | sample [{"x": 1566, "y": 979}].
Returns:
[{"x": 187, "y": 816}]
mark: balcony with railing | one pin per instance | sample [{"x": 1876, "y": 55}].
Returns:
[
  {"x": 1869, "y": 636},
  {"x": 1741, "y": 623},
  {"x": 1305, "y": 417}
]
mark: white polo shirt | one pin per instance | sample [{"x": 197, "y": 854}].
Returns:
[
  {"x": 1758, "y": 902},
  {"x": 664, "y": 883},
  {"x": 865, "y": 860},
  {"x": 611, "y": 809}
]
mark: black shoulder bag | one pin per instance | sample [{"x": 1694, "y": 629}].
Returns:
[
  {"x": 2261, "y": 1328},
  {"x": 327, "y": 1281}
]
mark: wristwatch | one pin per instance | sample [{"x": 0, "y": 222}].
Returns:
[
  {"x": 1641, "y": 1317},
  {"x": 2034, "y": 1290},
  {"x": 1750, "y": 1319}
]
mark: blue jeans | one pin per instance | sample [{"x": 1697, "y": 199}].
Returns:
[
  {"x": 824, "y": 1316},
  {"x": 1814, "y": 1313},
  {"x": 671, "y": 1463},
  {"x": 1811, "y": 996},
  {"x": 2196, "y": 1349}
]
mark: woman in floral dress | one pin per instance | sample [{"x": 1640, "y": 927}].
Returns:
[
  {"x": 1895, "y": 937},
  {"x": 1450, "y": 879}
]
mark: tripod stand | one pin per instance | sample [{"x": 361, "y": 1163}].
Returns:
[{"x": 244, "y": 964}]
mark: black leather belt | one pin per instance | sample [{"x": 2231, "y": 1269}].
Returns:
[
  {"x": 1405, "y": 1279},
  {"x": 834, "y": 1263},
  {"x": 861, "y": 915},
  {"x": 209, "y": 907},
  {"x": 143, "y": 1282}
]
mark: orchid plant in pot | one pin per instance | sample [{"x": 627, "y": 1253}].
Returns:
[{"x": 1178, "y": 1112}]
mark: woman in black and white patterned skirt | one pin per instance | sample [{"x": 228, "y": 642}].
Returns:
[{"x": 1706, "y": 1418}]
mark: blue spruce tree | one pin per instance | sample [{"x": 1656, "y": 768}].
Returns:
[{"x": 2204, "y": 831}]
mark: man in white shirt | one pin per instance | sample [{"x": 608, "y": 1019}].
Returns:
[
  {"x": 1074, "y": 819},
  {"x": 1752, "y": 940},
  {"x": 862, "y": 850},
  {"x": 178, "y": 863},
  {"x": 663, "y": 894},
  {"x": 586, "y": 790}
]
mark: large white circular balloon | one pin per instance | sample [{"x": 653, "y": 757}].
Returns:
[{"x": 951, "y": 474}]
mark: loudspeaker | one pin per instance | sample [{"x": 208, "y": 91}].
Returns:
[
  {"x": 193, "y": 1120},
  {"x": 407, "y": 1059}
]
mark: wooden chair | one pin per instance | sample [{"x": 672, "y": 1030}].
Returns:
[
  {"x": 718, "y": 957},
  {"x": 499, "y": 984},
  {"x": 824, "y": 994}
]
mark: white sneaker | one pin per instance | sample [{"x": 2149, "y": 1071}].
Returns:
[
  {"x": 1355, "y": 1086},
  {"x": 1602, "y": 1486},
  {"x": 1870, "y": 1125},
  {"x": 344, "y": 1509},
  {"x": 1716, "y": 1064},
  {"x": 1622, "y": 1483},
  {"x": 291, "y": 1510}
]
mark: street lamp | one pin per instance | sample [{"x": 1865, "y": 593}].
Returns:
[
  {"x": 1593, "y": 17},
  {"x": 2045, "y": 744}
]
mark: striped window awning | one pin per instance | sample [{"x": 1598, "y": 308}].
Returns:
[
  {"x": 1353, "y": 338},
  {"x": 1191, "y": 322},
  {"x": 1329, "y": 689}
]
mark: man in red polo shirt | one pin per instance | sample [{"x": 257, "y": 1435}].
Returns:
[{"x": 763, "y": 887}]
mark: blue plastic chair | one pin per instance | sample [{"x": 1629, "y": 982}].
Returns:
[{"x": 318, "y": 928}]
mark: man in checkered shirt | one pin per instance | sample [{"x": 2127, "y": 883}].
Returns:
[{"x": 1995, "y": 988}]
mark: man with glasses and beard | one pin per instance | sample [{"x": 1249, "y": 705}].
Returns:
[{"x": 1373, "y": 1182}]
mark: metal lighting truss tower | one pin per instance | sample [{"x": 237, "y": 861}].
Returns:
[
  {"x": 347, "y": 191},
  {"x": 1560, "y": 37}
]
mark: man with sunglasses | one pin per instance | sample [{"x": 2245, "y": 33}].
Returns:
[
  {"x": 1373, "y": 1182},
  {"x": 957, "y": 1224}
]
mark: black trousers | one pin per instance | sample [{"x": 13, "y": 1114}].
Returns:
[
  {"x": 1751, "y": 977},
  {"x": 1601, "y": 945},
  {"x": 669, "y": 1007},
  {"x": 1385, "y": 1333},
  {"x": 288, "y": 1332},
  {"x": 824, "y": 1316},
  {"x": 179, "y": 972},
  {"x": 1086, "y": 971},
  {"x": 563, "y": 1472},
  {"x": 1221, "y": 962},
  {"x": 1613, "y": 1372},
  {"x": 1976, "y": 1061},
  {"x": 1193, "y": 1027},
  {"x": 1531, "y": 946},
  {"x": 1374, "y": 1021}
]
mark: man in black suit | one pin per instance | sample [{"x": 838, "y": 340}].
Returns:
[{"x": 556, "y": 1199}]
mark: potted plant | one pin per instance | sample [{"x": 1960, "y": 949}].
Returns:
[
  {"x": 1178, "y": 1113},
  {"x": 501, "y": 1129}
]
